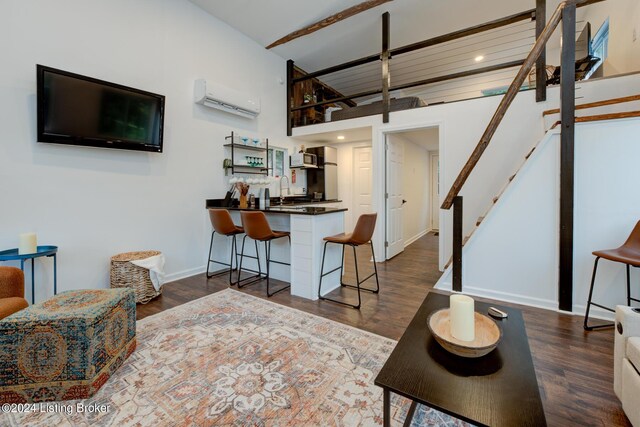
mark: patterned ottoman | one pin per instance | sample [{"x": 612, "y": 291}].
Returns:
[{"x": 66, "y": 347}]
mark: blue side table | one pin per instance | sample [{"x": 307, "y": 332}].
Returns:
[{"x": 48, "y": 251}]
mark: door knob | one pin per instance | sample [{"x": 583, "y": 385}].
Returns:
[{"x": 404, "y": 201}]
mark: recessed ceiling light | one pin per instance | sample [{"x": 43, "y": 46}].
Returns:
[
  {"x": 340, "y": 137},
  {"x": 479, "y": 58}
]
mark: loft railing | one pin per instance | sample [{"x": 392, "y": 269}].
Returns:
[
  {"x": 295, "y": 76},
  {"x": 565, "y": 13}
]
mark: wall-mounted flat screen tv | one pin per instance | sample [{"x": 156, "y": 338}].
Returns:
[{"x": 79, "y": 110}]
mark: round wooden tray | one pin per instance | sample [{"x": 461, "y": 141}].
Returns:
[{"x": 487, "y": 334}]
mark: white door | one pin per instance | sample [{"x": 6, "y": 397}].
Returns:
[
  {"x": 395, "y": 163},
  {"x": 362, "y": 183},
  {"x": 435, "y": 192}
]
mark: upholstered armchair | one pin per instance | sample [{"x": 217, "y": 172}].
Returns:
[
  {"x": 626, "y": 361},
  {"x": 11, "y": 291}
]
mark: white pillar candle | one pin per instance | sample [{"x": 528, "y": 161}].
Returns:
[
  {"x": 462, "y": 317},
  {"x": 28, "y": 244}
]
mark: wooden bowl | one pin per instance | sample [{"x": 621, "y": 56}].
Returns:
[{"x": 487, "y": 334}]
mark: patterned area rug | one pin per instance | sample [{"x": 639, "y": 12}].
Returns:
[{"x": 230, "y": 359}]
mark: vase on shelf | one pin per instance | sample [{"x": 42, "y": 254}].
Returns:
[{"x": 243, "y": 201}]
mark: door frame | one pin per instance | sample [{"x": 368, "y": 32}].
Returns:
[
  {"x": 434, "y": 179},
  {"x": 380, "y": 180},
  {"x": 386, "y": 194}
]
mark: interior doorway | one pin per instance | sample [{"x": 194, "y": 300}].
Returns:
[
  {"x": 362, "y": 182},
  {"x": 411, "y": 189}
]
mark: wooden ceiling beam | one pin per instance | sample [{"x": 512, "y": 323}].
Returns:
[{"x": 342, "y": 15}]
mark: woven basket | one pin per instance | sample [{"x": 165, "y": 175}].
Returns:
[{"x": 125, "y": 274}]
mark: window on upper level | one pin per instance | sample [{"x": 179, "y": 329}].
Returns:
[{"x": 600, "y": 46}]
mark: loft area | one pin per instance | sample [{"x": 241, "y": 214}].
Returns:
[{"x": 446, "y": 68}]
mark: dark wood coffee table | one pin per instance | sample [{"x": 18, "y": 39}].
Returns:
[{"x": 499, "y": 389}]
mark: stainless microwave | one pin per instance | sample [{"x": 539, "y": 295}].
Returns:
[{"x": 303, "y": 160}]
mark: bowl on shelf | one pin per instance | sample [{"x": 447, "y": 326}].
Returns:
[{"x": 487, "y": 334}]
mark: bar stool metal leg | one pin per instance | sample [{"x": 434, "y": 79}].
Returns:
[
  {"x": 341, "y": 264},
  {"x": 590, "y": 303},
  {"x": 252, "y": 279},
  {"x": 322, "y": 274},
  {"x": 355, "y": 258},
  {"x": 213, "y": 233},
  {"x": 375, "y": 273},
  {"x": 375, "y": 269},
  {"x": 267, "y": 249},
  {"x": 358, "y": 281},
  {"x": 234, "y": 249},
  {"x": 230, "y": 264},
  {"x": 628, "y": 286}
]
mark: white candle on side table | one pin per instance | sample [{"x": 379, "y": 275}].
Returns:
[
  {"x": 462, "y": 317},
  {"x": 28, "y": 244}
]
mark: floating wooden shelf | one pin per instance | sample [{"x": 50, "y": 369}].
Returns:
[
  {"x": 245, "y": 147},
  {"x": 250, "y": 167}
]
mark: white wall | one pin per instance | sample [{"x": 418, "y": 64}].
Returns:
[
  {"x": 416, "y": 213},
  {"x": 525, "y": 222},
  {"x": 94, "y": 203},
  {"x": 607, "y": 205}
]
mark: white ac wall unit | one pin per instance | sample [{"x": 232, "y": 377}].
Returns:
[{"x": 226, "y": 99}]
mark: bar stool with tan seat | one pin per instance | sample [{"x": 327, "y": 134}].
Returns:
[
  {"x": 257, "y": 227},
  {"x": 628, "y": 254},
  {"x": 222, "y": 223},
  {"x": 362, "y": 234}
]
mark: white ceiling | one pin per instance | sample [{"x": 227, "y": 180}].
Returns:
[
  {"x": 350, "y": 135},
  {"x": 265, "y": 21},
  {"x": 359, "y": 35},
  {"x": 427, "y": 138}
]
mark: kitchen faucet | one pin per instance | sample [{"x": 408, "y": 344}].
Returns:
[{"x": 288, "y": 190}]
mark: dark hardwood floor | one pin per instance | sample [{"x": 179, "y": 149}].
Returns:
[{"x": 574, "y": 368}]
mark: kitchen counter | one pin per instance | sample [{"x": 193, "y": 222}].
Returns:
[
  {"x": 293, "y": 210},
  {"x": 308, "y": 226},
  {"x": 301, "y": 200},
  {"x": 275, "y": 202}
]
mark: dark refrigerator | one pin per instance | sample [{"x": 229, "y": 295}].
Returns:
[{"x": 324, "y": 179}]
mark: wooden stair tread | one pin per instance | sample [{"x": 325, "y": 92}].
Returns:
[{"x": 611, "y": 101}]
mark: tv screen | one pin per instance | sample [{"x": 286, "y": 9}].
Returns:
[{"x": 79, "y": 110}]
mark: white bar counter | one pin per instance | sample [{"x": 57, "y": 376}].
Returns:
[{"x": 308, "y": 227}]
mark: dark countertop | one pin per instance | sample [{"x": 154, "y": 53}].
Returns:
[
  {"x": 301, "y": 200},
  {"x": 290, "y": 206},
  {"x": 294, "y": 210}
]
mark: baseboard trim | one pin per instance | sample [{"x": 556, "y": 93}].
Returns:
[
  {"x": 503, "y": 296},
  {"x": 595, "y": 312},
  {"x": 578, "y": 310},
  {"x": 184, "y": 274},
  {"x": 416, "y": 237}
]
